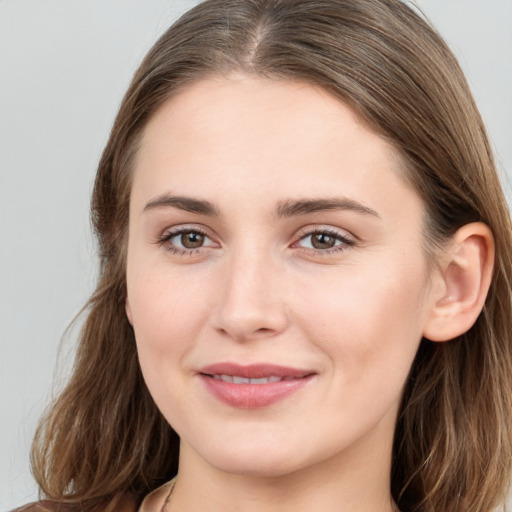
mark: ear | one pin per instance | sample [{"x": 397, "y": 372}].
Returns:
[
  {"x": 462, "y": 283},
  {"x": 128, "y": 310}
]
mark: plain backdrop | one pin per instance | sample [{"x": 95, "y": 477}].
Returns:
[{"x": 64, "y": 65}]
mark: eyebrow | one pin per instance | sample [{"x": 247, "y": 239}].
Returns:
[
  {"x": 188, "y": 204},
  {"x": 287, "y": 208},
  {"x": 291, "y": 208}
]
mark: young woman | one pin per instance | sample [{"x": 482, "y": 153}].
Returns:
[{"x": 304, "y": 298}]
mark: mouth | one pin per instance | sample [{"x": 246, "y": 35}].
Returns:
[
  {"x": 253, "y": 386},
  {"x": 236, "y": 379}
]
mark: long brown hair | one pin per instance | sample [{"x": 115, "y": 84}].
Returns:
[{"x": 104, "y": 439}]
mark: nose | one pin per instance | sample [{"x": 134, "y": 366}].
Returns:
[{"x": 250, "y": 303}]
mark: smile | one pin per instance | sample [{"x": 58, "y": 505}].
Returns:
[
  {"x": 235, "y": 379},
  {"x": 253, "y": 386}
]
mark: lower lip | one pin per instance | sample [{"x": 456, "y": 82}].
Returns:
[{"x": 253, "y": 396}]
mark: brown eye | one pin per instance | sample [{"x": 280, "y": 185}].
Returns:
[
  {"x": 192, "y": 239},
  {"x": 323, "y": 241},
  {"x": 185, "y": 240}
]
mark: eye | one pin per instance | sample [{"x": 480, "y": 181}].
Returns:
[
  {"x": 185, "y": 240},
  {"x": 189, "y": 240},
  {"x": 325, "y": 241}
]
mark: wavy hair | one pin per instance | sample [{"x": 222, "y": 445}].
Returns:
[{"x": 103, "y": 440}]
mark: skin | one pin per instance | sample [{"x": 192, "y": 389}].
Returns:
[{"x": 257, "y": 290}]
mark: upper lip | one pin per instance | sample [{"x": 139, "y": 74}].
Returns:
[{"x": 254, "y": 371}]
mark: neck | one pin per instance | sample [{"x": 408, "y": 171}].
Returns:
[{"x": 342, "y": 483}]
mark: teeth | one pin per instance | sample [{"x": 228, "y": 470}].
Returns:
[
  {"x": 244, "y": 380},
  {"x": 241, "y": 380}
]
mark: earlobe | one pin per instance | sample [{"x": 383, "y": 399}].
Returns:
[
  {"x": 128, "y": 310},
  {"x": 465, "y": 277}
]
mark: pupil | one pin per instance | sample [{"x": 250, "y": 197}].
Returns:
[
  {"x": 192, "y": 240},
  {"x": 323, "y": 241}
]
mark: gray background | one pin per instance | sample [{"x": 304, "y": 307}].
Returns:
[{"x": 64, "y": 65}]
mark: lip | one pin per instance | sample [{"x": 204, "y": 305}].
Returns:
[{"x": 253, "y": 395}]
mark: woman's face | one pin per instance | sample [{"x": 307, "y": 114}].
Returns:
[{"x": 277, "y": 284}]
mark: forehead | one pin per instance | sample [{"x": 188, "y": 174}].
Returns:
[
  {"x": 264, "y": 107},
  {"x": 244, "y": 135}
]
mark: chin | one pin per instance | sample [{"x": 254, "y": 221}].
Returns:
[
  {"x": 258, "y": 467},
  {"x": 259, "y": 460}
]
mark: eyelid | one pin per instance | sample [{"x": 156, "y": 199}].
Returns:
[{"x": 322, "y": 228}]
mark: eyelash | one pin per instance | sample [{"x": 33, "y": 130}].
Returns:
[
  {"x": 165, "y": 239},
  {"x": 346, "y": 242}
]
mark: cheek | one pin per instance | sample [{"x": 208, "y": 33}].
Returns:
[
  {"x": 164, "y": 302},
  {"x": 166, "y": 312},
  {"x": 166, "y": 321},
  {"x": 368, "y": 322}
]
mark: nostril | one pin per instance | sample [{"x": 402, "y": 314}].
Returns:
[{"x": 245, "y": 333}]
